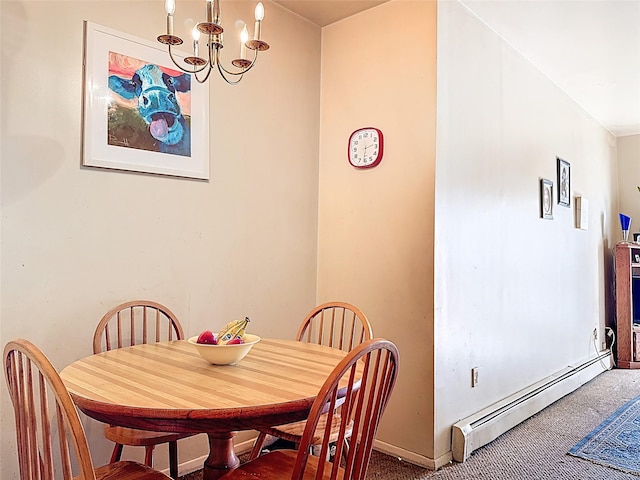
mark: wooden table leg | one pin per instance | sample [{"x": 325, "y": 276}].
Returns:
[{"x": 222, "y": 456}]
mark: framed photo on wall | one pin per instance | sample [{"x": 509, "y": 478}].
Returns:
[
  {"x": 140, "y": 114},
  {"x": 564, "y": 182},
  {"x": 546, "y": 199}
]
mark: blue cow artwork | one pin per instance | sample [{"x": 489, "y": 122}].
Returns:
[{"x": 147, "y": 113}]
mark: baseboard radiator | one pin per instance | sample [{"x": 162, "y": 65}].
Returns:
[{"x": 481, "y": 428}]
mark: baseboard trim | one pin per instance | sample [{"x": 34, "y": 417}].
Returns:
[
  {"x": 485, "y": 426},
  {"x": 412, "y": 457}
]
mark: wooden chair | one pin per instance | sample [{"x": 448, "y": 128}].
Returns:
[
  {"x": 362, "y": 409},
  {"x": 51, "y": 441},
  {"x": 335, "y": 324},
  {"x": 133, "y": 323}
]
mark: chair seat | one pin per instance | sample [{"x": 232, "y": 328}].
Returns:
[
  {"x": 126, "y": 470},
  {"x": 278, "y": 465},
  {"x": 292, "y": 432},
  {"x": 140, "y": 438}
]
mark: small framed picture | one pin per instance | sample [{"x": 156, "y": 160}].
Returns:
[
  {"x": 546, "y": 198},
  {"x": 564, "y": 182}
]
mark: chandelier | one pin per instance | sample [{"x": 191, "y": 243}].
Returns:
[{"x": 213, "y": 31}]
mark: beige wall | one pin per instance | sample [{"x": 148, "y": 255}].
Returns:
[
  {"x": 375, "y": 244},
  {"x": 515, "y": 295},
  {"x": 629, "y": 179},
  {"x": 76, "y": 241}
]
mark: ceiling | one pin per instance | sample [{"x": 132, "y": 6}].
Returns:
[
  {"x": 589, "y": 48},
  {"x": 325, "y": 12}
]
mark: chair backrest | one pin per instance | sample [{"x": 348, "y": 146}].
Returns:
[
  {"x": 335, "y": 324},
  {"x": 134, "y": 323},
  {"x": 368, "y": 373},
  {"x": 51, "y": 441}
]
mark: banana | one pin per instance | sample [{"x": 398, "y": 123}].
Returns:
[
  {"x": 233, "y": 329},
  {"x": 231, "y": 325}
]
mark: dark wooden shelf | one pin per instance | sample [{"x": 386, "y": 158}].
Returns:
[{"x": 628, "y": 333}]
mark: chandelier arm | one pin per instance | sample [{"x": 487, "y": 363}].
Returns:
[
  {"x": 193, "y": 72},
  {"x": 222, "y": 71},
  {"x": 214, "y": 52},
  {"x": 253, "y": 62},
  {"x": 205, "y": 77}
]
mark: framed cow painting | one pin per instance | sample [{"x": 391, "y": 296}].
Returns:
[{"x": 140, "y": 113}]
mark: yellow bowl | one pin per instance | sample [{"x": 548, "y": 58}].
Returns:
[{"x": 225, "y": 354}]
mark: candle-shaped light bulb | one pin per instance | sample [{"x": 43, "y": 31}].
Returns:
[
  {"x": 259, "y": 16},
  {"x": 259, "y": 12},
  {"x": 196, "y": 36},
  {"x": 170, "y": 6},
  {"x": 244, "y": 36}
]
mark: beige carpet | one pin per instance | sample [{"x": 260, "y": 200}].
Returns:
[{"x": 535, "y": 449}]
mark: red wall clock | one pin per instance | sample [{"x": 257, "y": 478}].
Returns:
[{"x": 365, "y": 147}]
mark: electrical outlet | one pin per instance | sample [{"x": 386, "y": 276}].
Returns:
[
  {"x": 595, "y": 333},
  {"x": 474, "y": 377}
]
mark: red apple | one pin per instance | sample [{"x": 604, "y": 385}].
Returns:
[
  {"x": 235, "y": 341},
  {"x": 207, "y": 337}
]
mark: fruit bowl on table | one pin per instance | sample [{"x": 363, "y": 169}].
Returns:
[{"x": 225, "y": 354}]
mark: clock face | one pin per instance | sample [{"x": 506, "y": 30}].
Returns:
[{"x": 365, "y": 147}]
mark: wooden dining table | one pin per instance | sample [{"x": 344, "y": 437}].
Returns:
[{"x": 167, "y": 386}]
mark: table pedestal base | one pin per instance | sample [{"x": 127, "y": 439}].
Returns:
[{"x": 222, "y": 456}]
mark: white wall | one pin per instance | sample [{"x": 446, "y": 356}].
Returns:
[
  {"x": 515, "y": 295},
  {"x": 77, "y": 241}
]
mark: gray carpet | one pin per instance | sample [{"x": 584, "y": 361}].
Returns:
[
  {"x": 537, "y": 448},
  {"x": 616, "y": 441}
]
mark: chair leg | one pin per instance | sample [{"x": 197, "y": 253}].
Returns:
[
  {"x": 148, "y": 455},
  {"x": 173, "y": 460},
  {"x": 117, "y": 453},
  {"x": 257, "y": 446},
  {"x": 345, "y": 449}
]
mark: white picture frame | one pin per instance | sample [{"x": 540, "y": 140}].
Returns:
[{"x": 113, "y": 137}]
